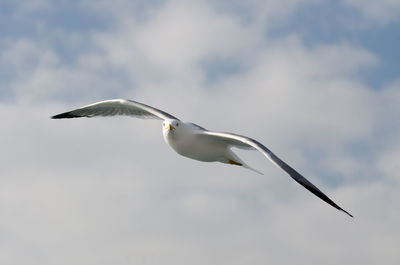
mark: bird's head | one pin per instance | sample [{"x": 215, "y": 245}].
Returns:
[{"x": 171, "y": 126}]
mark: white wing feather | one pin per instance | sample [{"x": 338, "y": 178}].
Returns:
[{"x": 116, "y": 107}]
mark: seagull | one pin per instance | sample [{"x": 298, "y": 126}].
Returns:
[{"x": 193, "y": 141}]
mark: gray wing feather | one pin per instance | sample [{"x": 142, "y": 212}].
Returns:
[
  {"x": 239, "y": 140},
  {"x": 116, "y": 107}
]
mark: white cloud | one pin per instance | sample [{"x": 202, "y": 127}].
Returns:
[
  {"x": 23, "y": 56},
  {"x": 186, "y": 37}
]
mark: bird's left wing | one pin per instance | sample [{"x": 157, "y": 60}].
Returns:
[
  {"x": 116, "y": 107},
  {"x": 240, "y": 141}
]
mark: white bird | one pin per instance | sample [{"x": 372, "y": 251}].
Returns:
[{"x": 193, "y": 141}]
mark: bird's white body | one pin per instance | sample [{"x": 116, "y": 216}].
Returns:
[
  {"x": 186, "y": 139},
  {"x": 193, "y": 141},
  {"x": 185, "y": 142}
]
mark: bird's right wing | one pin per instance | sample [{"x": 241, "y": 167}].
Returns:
[
  {"x": 116, "y": 107},
  {"x": 235, "y": 140}
]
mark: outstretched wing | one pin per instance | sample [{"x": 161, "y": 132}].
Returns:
[
  {"x": 240, "y": 141},
  {"x": 116, "y": 107}
]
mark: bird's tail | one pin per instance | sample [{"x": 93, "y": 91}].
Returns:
[{"x": 252, "y": 169}]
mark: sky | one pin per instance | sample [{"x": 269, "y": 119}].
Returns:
[{"x": 317, "y": 82}]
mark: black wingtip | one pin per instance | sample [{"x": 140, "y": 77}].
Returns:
[
  {"x": 347, "y": 213},
  {"x": 65, "y": 115}
]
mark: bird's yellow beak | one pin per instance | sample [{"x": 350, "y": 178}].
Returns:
[{"x": 170, "y": 127}]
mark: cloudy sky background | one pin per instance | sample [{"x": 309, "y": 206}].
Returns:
[{"x": 318, "y": 82}]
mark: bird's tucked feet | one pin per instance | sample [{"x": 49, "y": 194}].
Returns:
[{"x": 234, "y": 163}]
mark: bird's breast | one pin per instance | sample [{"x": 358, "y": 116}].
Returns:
[{"x": 190, "y": 146}]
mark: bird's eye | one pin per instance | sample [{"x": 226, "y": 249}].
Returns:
[
  {"x": 177, "y": 124},
  {"x": 163, "y": 124}
]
